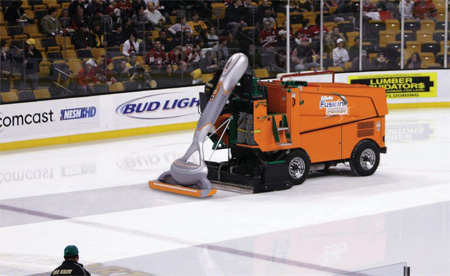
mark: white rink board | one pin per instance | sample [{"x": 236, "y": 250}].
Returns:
[
  {"x": 64, "y": 117},
  {"x": 152, "y": 108}
]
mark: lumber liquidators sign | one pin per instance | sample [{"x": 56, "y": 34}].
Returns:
[{"x": 408, "y": 85}]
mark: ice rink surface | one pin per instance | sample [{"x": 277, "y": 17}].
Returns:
[{"x": 95, "y": 195}]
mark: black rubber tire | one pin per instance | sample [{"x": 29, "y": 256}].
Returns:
[
  {"x": 365, "y": 158},
  {"x": 297, "y": 166}
]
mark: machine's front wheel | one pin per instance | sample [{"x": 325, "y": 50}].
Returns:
[
  {"x": 298, "y": 166},
  {"x": 365, "y": 158}
]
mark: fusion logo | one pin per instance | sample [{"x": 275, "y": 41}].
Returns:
[
  {"x": 159, "y": 106},
  {"x": 25, "y": 119},
  {"x": 78, "y": 113},
  {"x": 334, "y": 107}
]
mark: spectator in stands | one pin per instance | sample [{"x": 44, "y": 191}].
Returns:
[
  {"x": 340, "y": 54},
  {"x": 73, "y": 7},
  {"x": 32, "y": 60},
  {"x": 165, "y": 77},
  {"x": 125, "y": 7},
  {"x": 305, "y": 5},
  {"x": 94, "y": 7},
  {"x": 132, "y": 64},
  {"x": 70, "y": 263},
  {"x": 233, "y": 17},
  {"x": 102, "y": 73},
  {"x": 365, "y": 62},
  {"x": 304, "y": 29},
  {"x": 121, "y": 71},
  {"x": 165, "y": 43},
  {"x": 79, "y": 18},
  {"x": 261, "y": 12},
  {"x": 156, "y": 58},
  {"x": 233, "y": 45},
  {"x": 177, "y": 55},
  {"x": 176, "y": 41},
  {"x": 269, "y": 16},
  {"x": 86, "y": 76},
  {"x": 368, "y": 6},
  {"x": 386, "y": 9},
  {"x": 197, "y": 26},
  {"x": 65, "y": 21},
  {"x": 146, "y": 44},
  {"x": 346, "y": 11},
  {"x": 331, "y": 38},
  {"x": 114, "y": 39},
  {"x": 180, "y": 25},
  {"x": 139, "y": 19},
  {"x": 188, "y": 40},
  {"x": 137, "y": 5},
  {"x": 221, "y": 51},
  {"x": 282, "y": 34},
  {"x": 303, "y": 56},
  {"x": 212, "y": 36},
  {"x": 254, "y": 57},
  {"x": 268, "y": 35},
  {"x": 425, "y": 9},
  {"x": 407, "y": 7},
  {"x": 154, "y": 16},
  {"x": 208, "y": 64},
  {"x": 353, "y": 51},
  {"x": 380, "y": 63},
  {"x": 182, "y": 74},
  {"x": 195, "y": 55},
  {"x": 50, "y": 25},
  {"x": 98, "y": 35},
  {"x": 414, "y": 62},
  {"x": 82, "y": 39},
  {"x": 15, "y": 13},
  {"x": 249, "y": 11},
  {"x": 113, "y": 4},
  {"x": 116, "y": 17},
  {"x": 5, "y": 66},
  {"x": 128, "y": 29},
  {"x": 298, "y": 37},
  {"x": 315, "y": 29},
  {"x": 130, "y": 46}
]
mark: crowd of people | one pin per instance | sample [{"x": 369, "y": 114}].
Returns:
[{"x": 158, "y": 43}]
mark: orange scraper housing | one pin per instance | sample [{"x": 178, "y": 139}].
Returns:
[{"x": 280, "y": 131}]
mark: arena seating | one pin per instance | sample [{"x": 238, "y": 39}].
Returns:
[{"x": 425, "y": 37}]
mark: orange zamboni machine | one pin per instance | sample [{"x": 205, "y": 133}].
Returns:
[{"x": 278, "y": 132}]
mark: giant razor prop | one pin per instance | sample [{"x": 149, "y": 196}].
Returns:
[{"x": 189, "y": 178}]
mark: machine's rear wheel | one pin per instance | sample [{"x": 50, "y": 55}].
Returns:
[
  {"x": 297, "y": 164},
  {"x": 365, "y": 158}
]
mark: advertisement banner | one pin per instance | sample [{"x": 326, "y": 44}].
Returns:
[
  {"x": 401, "y": 85},
  {"x": 66, "y": 117}
]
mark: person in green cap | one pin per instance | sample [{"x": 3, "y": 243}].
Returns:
[{"x": 70, "y": 266}]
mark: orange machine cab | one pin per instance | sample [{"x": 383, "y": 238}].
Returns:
[{"x": 281, "y": 131}]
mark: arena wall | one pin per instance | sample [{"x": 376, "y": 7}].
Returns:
[{"x": 43, "y": 123}]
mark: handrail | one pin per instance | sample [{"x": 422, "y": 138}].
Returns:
[{"x": 309, "y": 74}]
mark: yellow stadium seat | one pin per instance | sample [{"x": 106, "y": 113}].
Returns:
[
  {"x": 386, "y": 37},
  {"x": 262, "y": 73},
  {"x": 207, "y": 77},
  {"x": 9, "y": 97},
  {"x": 335, "y": 68},
  {"x": 427, "y": 25},
  {"x": 424, "y": 36},
  {"x": 116, "y": 87},
  {"x": 42, "y": 94},
  {"x": 427, "y": 58},
  {"x": 392, "y": 25},
  {"x": 218, "y": 11}
]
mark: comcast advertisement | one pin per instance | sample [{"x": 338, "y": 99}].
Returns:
[{"x": 398, "y": 86}]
